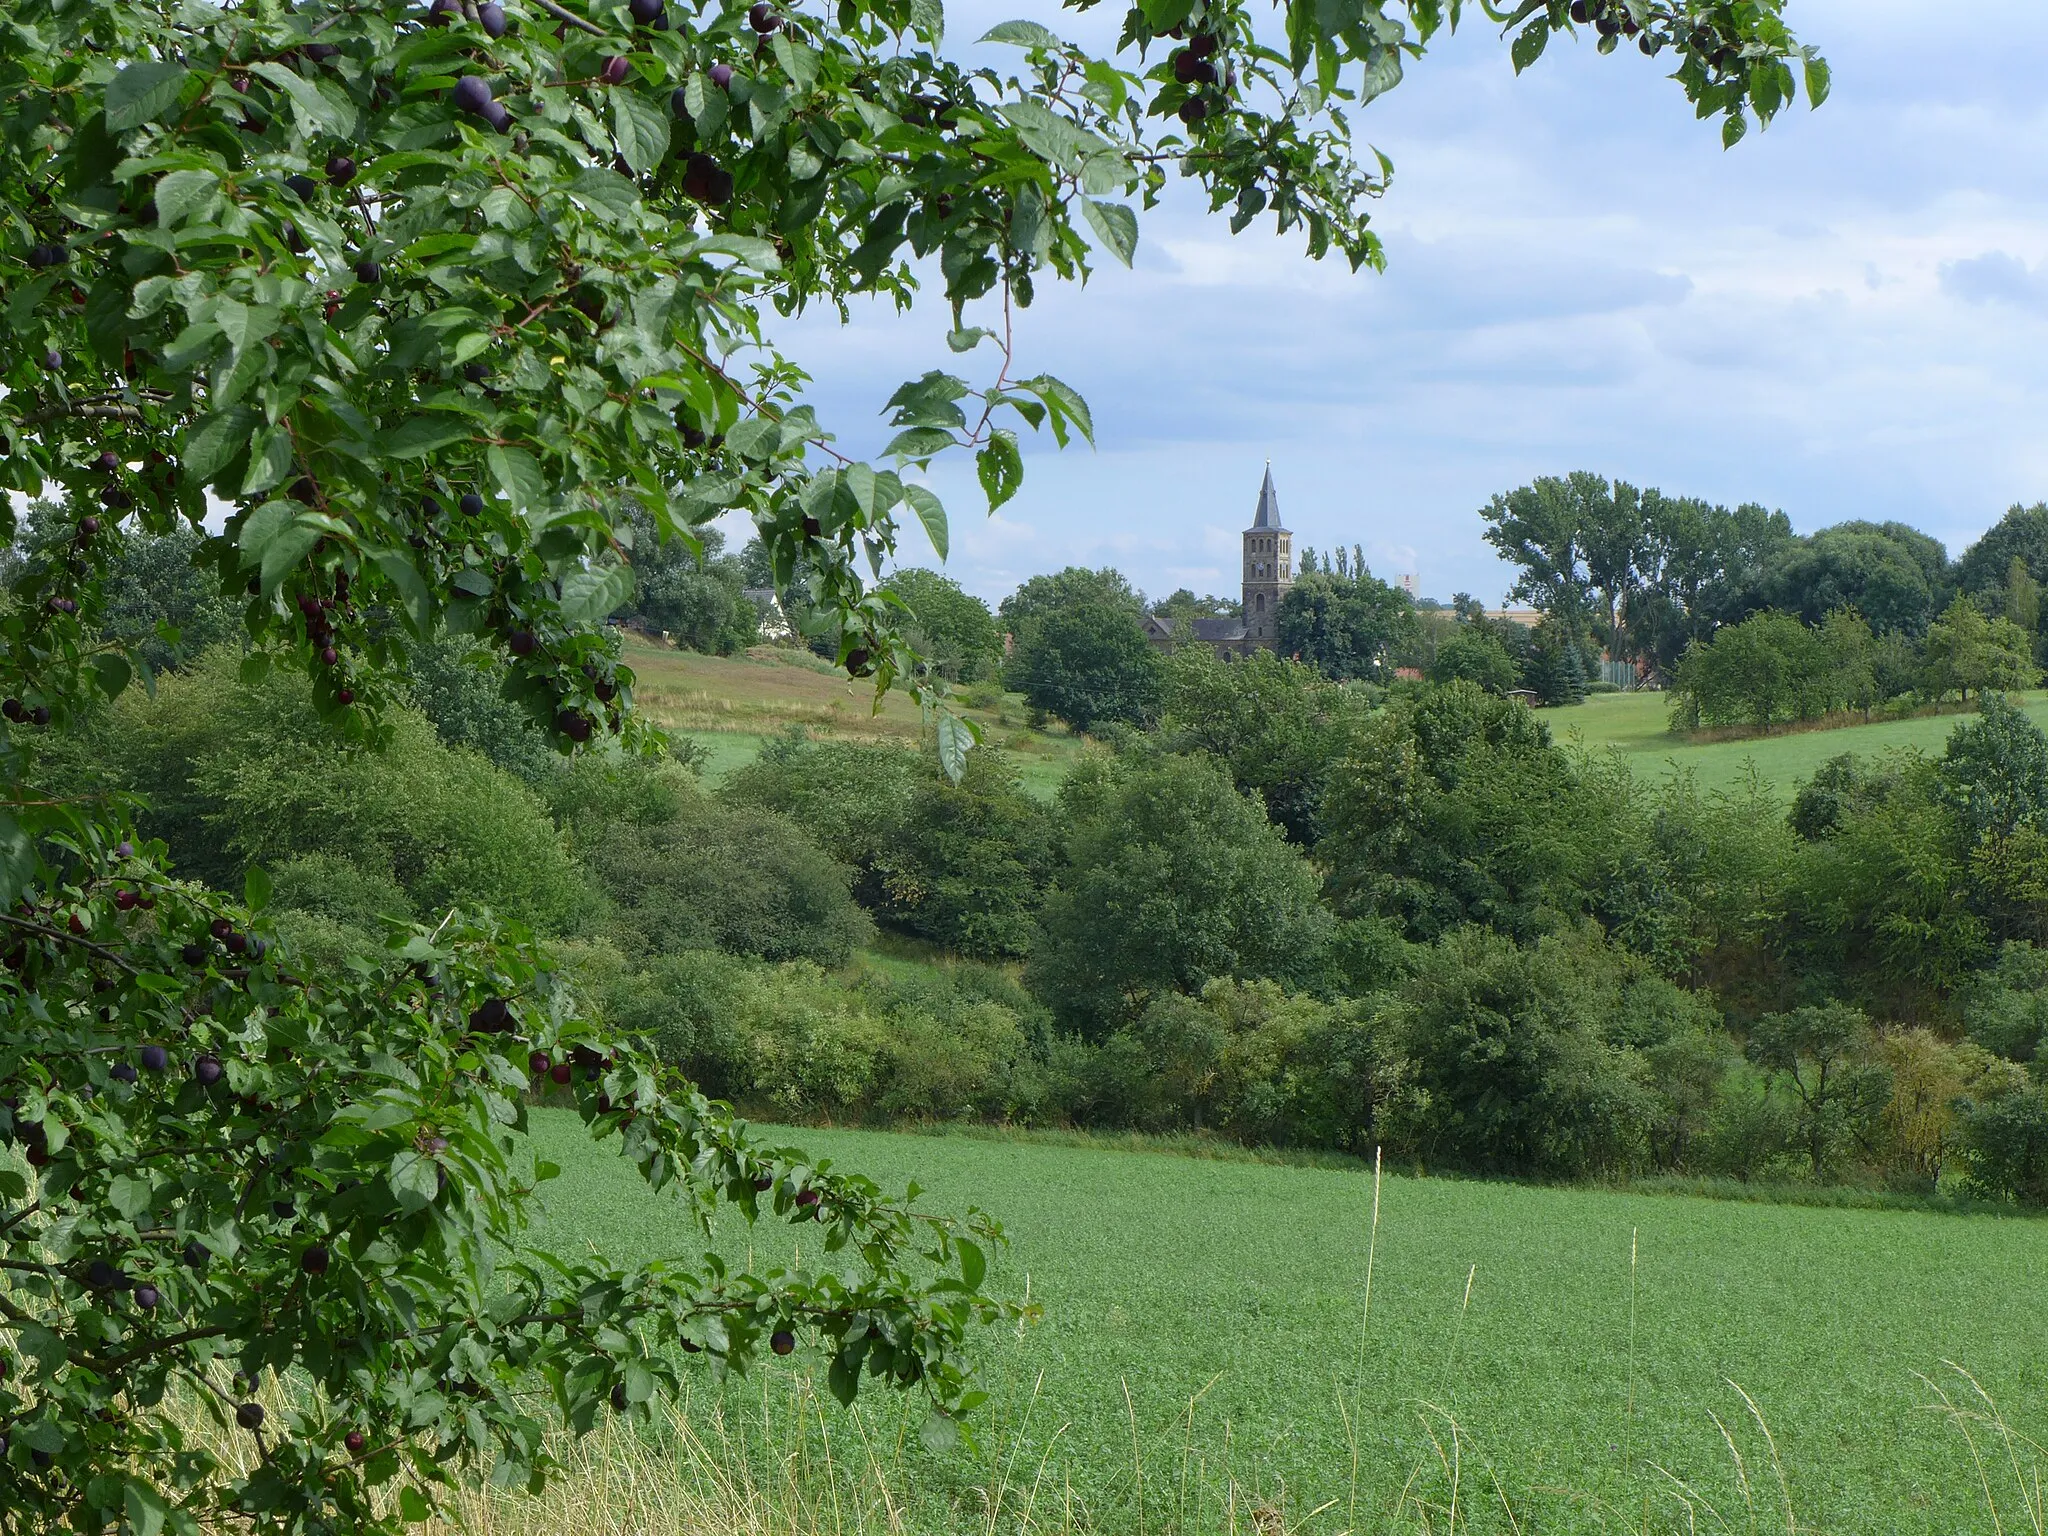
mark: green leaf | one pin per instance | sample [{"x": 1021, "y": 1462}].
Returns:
[
  {"x": 755, "y": 438},
  {"x": 113, "y": 673},
  {"x": 255, "y": 888},
  {"x": 1114, "y": 225},
  {"x": 518, "y": 473},
  {"x": 761, "y": 255},
  {"x": 317, "y": 111},
  {"x": 928, "y": 402},
  {"x": 587, "y": 596},
  {"x": 938, "y": 1432},
  {"x": 129, "y": 1195},
  {"x": 1022, "y": 34},
  {"x": 1066, "y": 405},
  {"x": 604, "y": 192},
  {"x": 956, "y": 740},
  {"x": 968, "y": 339},
  {"x": 412, "y": 590},
  {"x": 931, "y": 513},
  {"x": 17, "y": 860},
  {"x": 422, "y": 435},
  {"x": 260, "y": 527},
  {"x": 414, "y": 1179},
  {"x": 142, "y": 92},
  {"x": 918, "y": 443},
  {"x": 973, "y": 1263},
  {"x": 1529, "y": 44},
  {"x": 843, "y": 1377},
  {"x": 270, "y": 458},
  {"x": 1819, "y": 78},
  {"x": 641, "y": 129},
  {"x": 285, "y": 551},
  {"x": 106, "y": 318},
  {"x": 183, "y": 195},
  {"x": 144, "y": 1507},
  {"x": 1733, "y": 127},
  {"x": 215, "y": 442},
  {"x": 1000, "y": 467}
]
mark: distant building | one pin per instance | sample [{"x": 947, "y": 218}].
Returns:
[
  {"x": 774, "y": 623},
  {"x": 1409, "y": 583},
  {"x": 1268, "y": 576}
]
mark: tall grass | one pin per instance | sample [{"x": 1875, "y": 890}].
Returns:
[{"x": 775, "y": 1458}]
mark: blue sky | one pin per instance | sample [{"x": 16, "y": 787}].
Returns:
[{"x": 1846, "y": 316}]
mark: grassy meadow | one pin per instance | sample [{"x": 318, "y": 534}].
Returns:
[
  {"x": 731, "y": 704},
  {"x": 1639, "y": 726},
  {"x": 1544, "y": 1359}
]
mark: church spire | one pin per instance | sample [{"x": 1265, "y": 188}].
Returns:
[{"x": 1269, "y": 503}]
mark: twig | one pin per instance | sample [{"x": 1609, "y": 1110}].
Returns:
[
  {"x": 570, "y": 17},
  {"x": 112, "y": 957}
]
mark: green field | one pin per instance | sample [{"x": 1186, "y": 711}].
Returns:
[
  {"x": 729, "y": 705},
  {"x": 1237, "y": 1288},
  {"x": 1638, "y": 725}
]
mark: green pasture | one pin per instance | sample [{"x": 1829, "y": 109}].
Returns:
[
  {"x": 1639, "y": 725},
  {"x": 1041, "y": 761},
  {"x": 1201, "y": 1364}
]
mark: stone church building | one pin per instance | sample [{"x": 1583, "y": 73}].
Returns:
[{"x": 1268, "y": 573}]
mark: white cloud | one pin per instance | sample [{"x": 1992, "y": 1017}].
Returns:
[{"x": 1844, "y": 316}]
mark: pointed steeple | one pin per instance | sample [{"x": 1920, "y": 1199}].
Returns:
[{"x": 1269, "y": 503}]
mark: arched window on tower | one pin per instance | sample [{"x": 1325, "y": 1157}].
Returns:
[{"x": 1262, "y": 602}]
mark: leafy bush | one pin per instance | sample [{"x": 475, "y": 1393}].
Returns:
[
  {"x": 1454, "y": 807},
  {"x": 848, "y": 796},
  {"x": 956, "y": 632},
  {"x": 962, "y": 864},
  {"x": 1172, "y": 878},
  {"x": 2005, "y": 1009},
  {"x": 246, "y": 773},
  {"x": 1522, "y": 1057},
  {"x": 680, "y": 871},
  {"x": 2005, "y": 1147},
  {"x": 966, "y": 864}
]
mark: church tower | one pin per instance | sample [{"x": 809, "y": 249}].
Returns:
[{"x": 1268, "y": 570}]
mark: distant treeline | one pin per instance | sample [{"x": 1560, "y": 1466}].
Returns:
[{"x": 1280, "y": 908}]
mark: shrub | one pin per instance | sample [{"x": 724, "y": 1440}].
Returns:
[
  {"x": 1515, "y": 1057},
  {"x": 680, "y": 871},
  {"x": 246, "y": 773},
  {"x": 966, "y": 864},
  {"x": 2005, "y": 1009},
  {"x": 1454, "y": 807},
  {"x": 1172, "y": 878},
  {"x": 2005, "y": 1147},
  {"x": 847, "y": 796}
]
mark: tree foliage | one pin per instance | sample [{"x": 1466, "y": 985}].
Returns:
[
  {"x": 952, "y": 629},
  {"x": 1088, "y": 665},
  {"x": 1171, "y": 877},
  {"x": 1348, "y": 627}
]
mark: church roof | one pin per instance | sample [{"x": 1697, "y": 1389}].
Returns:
[
  {"x": 1219, "y": 629},
  {"x": 1269, "y": 504}
]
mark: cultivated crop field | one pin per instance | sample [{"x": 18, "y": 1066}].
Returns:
[
  {"x": 1639, "y": 725},
  {"x": 1200, "y": 1365}
]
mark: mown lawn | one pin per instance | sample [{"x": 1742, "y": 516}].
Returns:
[
  {"x": 1201, "y": 1346},
  {"x": 1638, "y": 724}
]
